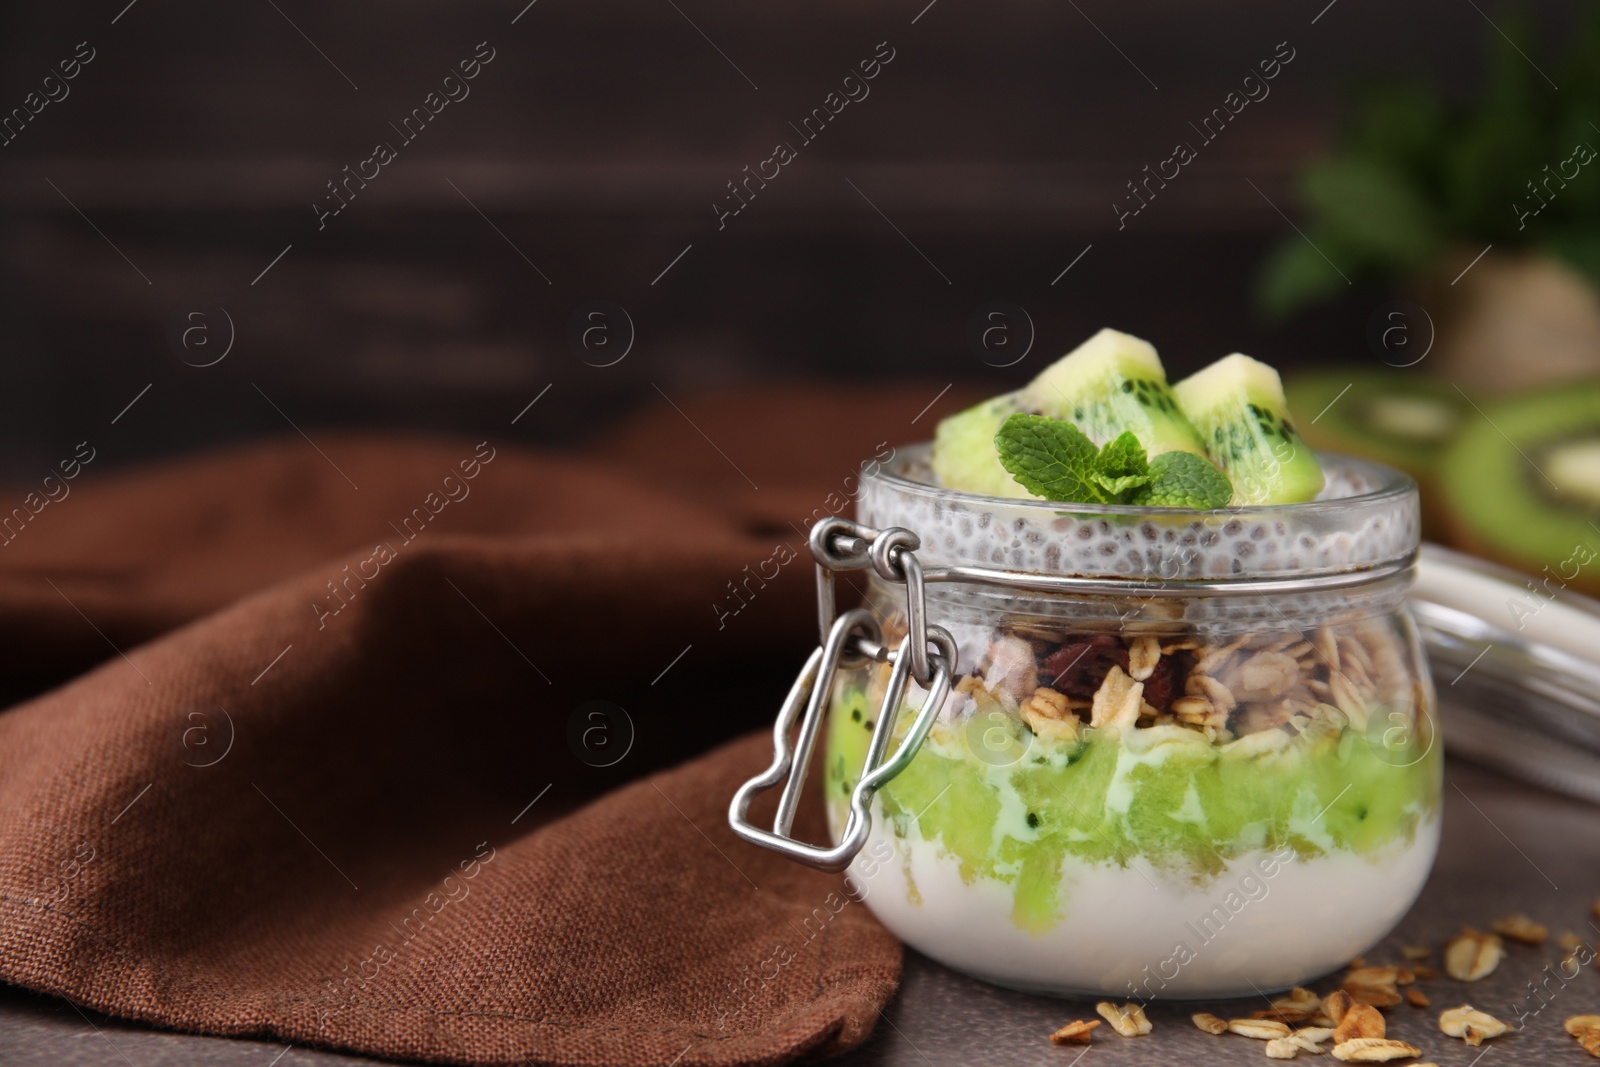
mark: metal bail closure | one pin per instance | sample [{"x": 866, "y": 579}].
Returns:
[{"x": 812, "y": 689}]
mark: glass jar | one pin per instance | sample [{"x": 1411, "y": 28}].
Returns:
[{"x": 1144, "y": 752}]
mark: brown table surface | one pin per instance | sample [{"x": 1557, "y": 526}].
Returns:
[{"x": 1507, "y": 847}]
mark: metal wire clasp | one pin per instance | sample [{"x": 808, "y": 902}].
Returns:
[{"x": 851, "y": 640}]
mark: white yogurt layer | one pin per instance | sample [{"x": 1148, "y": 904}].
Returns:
[{"x": 1267, "y": 922}]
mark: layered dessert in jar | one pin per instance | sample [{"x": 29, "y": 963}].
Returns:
[{"x": 1216, "y": 773}]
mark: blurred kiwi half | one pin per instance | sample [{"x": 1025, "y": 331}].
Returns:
[
  {"x": 1398, "y": 417},
  {"x": 1522, "y": 484}
]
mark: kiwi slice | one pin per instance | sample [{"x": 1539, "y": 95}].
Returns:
[
  {"x": 964, "y": 455},
  {"x": 1237, "y": 404},
  {"x": 1397, "y": 417},
  {"x": 1522, "y": 484},
  {"x": 1112, "y": 383}
]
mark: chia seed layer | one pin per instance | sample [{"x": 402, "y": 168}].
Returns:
[{"x": 1363, "y": 516}]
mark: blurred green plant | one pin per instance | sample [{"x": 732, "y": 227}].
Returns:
[{"x": 1413, "y": 175}]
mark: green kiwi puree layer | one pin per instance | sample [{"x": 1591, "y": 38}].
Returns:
[{"x": 1163, "y": 794}]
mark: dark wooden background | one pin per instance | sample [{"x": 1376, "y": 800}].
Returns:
[{"x": 596, "y": 143}]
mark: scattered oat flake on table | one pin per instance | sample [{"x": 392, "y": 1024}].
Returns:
[
  {"x": 1374, "y": 996},
  {"x": 1299, "y": 997},
  {"x": 1211, "y": 1024},
  {"x": 1374, "y": 986},
  {"x": 1283, "y": 1048},
  {"x": 1076, "y": 1032},
  {"x": 1470, "y": 1024},
  {"x": 1308, "y": 1040},
  {"x": 1361, "y": 1021},
  {"x": 1371, "y": 976},
  {"x": 1129, "y": 1020},
  {"x": 1335, "y": 1005},
  {"x": 1374, "y": 1050},
  {"x": 1523, "y": 929},
  {"x": 1415, "y": 953},
  {"x": 1417, "y": 997},
  {"x": 1586, "y": 1028},
  {"x": 1260, "y": 1029},
  {"x": 1472, "y": 955}
]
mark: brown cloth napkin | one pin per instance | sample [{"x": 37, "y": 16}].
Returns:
[{"x": 359, "y": 755}]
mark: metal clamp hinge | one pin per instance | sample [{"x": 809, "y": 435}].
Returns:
[{"x": 851, "y": 640}]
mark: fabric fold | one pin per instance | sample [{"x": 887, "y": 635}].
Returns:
[{"x": 436, "y": 790}]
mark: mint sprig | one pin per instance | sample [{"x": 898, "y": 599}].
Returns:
[
  {"x": 1052, "y": 458},
  {"x": 1121, "y": 465}
]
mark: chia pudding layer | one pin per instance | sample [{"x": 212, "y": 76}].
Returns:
[{"x": 1364, "y": 515}]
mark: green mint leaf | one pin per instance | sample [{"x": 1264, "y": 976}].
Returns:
[
  {"x": 1123, "y": 456},
  {"x": 1184, "y": 480},
  {"x": 1121, "y": 466},
  {"x": 1119, "y": 486},
  {"x": 1050, "y": 458}
]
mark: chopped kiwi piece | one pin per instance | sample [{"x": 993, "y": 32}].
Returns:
[
  {"x": 1522, "y": 484},
  {"x": 964, "y": 455},
  {"x": 1112, "y": 383},
  {"x": 1237, "y": 404}
]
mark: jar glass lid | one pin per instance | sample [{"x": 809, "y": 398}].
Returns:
[{"x": 1516, "y": 662}]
